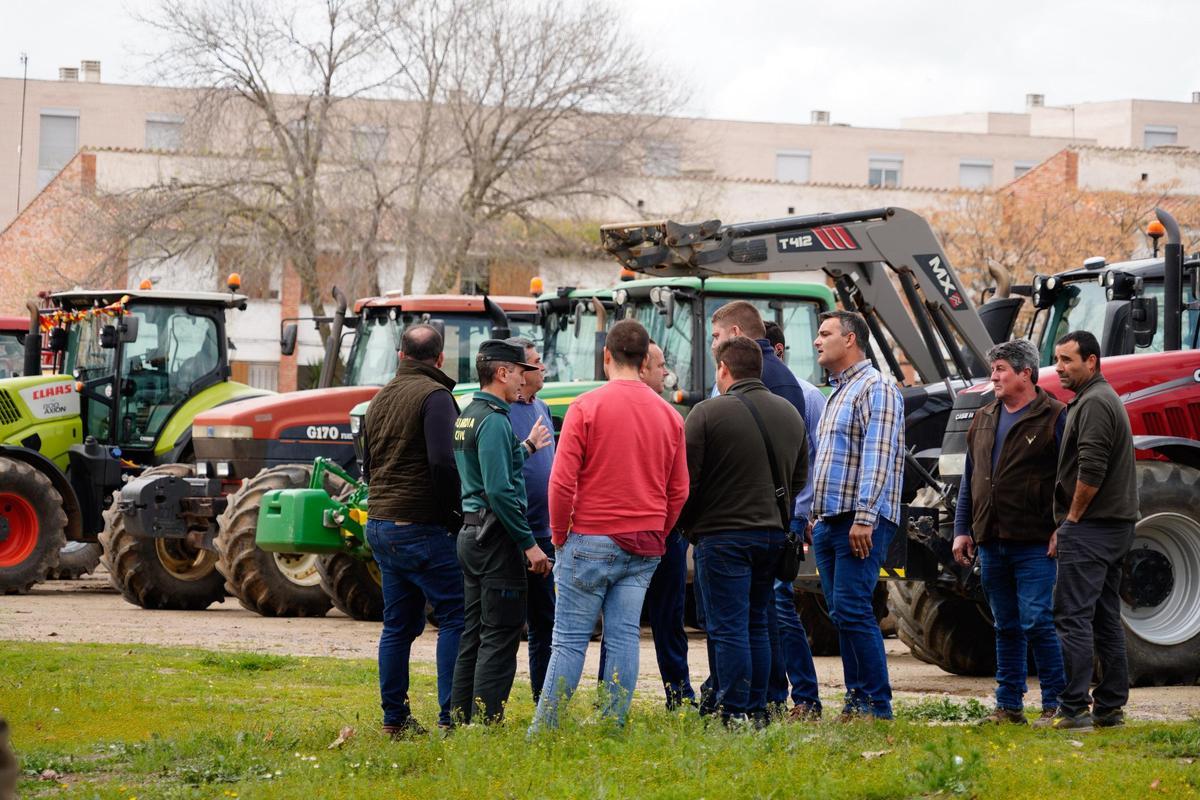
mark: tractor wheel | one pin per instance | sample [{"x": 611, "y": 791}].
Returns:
[
  {"x": 814, "y": 614},
  {"x": 271, "y": 584},
  {"x": 1160, "y": 590},
  {"x": 159, "y": 572},
  {"x": 75, "y": 560},
  {"x": 945, "y": 630},
  {"x": 32, "y": 526},
  {"x": 353, "y": 584}
]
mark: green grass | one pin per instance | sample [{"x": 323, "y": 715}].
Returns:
[{"x": 147, "y": 722}]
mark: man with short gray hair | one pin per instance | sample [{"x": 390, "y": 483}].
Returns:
[{"x": 1005, "y": 513}]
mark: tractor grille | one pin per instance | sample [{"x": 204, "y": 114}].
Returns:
[
  {"x": 8, "y": 409},
  {"x": 1154, "y": 423}
]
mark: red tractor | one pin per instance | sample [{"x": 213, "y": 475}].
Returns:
[
  {"x": 1148, "y": 335},
  {"x": 245, "y": 449}
]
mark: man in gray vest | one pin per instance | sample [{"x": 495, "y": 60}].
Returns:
[{"x": 409, "y": 461}]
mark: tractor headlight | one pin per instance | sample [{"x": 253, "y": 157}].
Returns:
[
  {"x": 1051, "y": 283},
  {"x": 222, "y": 469},
  {"x": 355, "y": 424},
  {"x": 620, "y": 296},
  {"x": 952, "y": 465}
]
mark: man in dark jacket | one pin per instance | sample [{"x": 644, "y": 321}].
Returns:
[
  {"x": 1096, "y": 508},
  {"x": 1005, "y": 510},
  {"x": 737, "y": 520},
  {"x": 413, "y": 518},
  {"x": 496, "y": 542}
]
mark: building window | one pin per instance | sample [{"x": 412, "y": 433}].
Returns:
[
  {"x": 884, "y": 170},
  {"x": 369, "y": 144},
  {"x": 1021, "y": 167},
  {"x": 164, "y": 132},
  {"x": 662, "y": 159},
  {"x": 1156, "y": 135},
  {"x": 975, "y": 174},
  {"x": 58, "y": 140},
  {"x": 792, "y": 166}
]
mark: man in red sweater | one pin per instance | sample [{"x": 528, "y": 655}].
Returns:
[{"x": 618, "y": 484}]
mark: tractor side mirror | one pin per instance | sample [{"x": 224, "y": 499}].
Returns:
[
  {"x": 1144, "y": 319},
  {"x": 287, "y": 339},
  {"x": 668, "y": 304},
  {"x": 58, "y": 339},
  {"x": 577, "y": 318},
  {"x": 108, "y": 337},
  {"x": 128, "y": 329}
]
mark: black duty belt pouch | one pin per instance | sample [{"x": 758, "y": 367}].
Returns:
[
  {"x": 788, "y": 566},
  {"x": 489, "y": 528}
]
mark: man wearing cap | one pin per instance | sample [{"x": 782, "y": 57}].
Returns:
[{"x": 496, "y": 542}]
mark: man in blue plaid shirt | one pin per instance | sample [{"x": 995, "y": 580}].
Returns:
[{"x": 860, "y": 464}]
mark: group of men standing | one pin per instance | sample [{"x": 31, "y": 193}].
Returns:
[{"x": 498, "y": 528}]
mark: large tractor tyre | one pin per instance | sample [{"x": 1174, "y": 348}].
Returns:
[
  {"x": 814, "y": 615},
  {"x": 159, "y": 572},
  {"x": 353, "y": 584},
  {"x": 271, "y": 584},
  {"x": 945, "y": 630},
  {"x": 75, "y": 560},
  {"x": 32, "y": 526},
  {"x": 1160, "y": 590}
]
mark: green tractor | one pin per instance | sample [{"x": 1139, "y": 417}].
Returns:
[{"x": 128, "y": 372}]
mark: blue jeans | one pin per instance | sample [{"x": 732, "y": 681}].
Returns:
[
  {"x": 539, "y": 619},
  {"x": 1018, "y": 579},
  {"x": 664, "y": 608},
  {"x": 417, "y": 563},
  {"x": 848, "y": 583},
  {"x": 592, "y": 574},
  {"x": 791, "y": 655},
  {"x": 739, "y": 576},
  {"x": 710, "y": 687}
]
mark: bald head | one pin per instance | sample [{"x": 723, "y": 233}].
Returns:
[{"x": 421, "y": 343}]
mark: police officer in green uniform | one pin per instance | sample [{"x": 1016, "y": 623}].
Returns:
[{"x": 495, "y": 546}]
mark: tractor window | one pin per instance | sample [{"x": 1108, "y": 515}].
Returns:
[
  {"x": 675, "y": 341},
  {"x": 464, "y": 334},
  {"x": 571, "y": 357},
  {"x": 161, "y": 369},
  {"x": 1187, "y": 328},
  {"x": 12, "y": 355},
  {"x": 373, "y": 359},
  {"x": 1079, "y": 306}
]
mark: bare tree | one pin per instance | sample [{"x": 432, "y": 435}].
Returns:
[
  {"x": 532, "y": 109},
  {"x": 279, "y": 103}
]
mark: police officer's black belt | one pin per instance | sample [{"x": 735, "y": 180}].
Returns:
[{"x": 473, "y": 518}]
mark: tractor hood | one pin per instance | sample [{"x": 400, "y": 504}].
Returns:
[
  {"x": 31, "y": 401},
  {"x": 281, "y": 416}
]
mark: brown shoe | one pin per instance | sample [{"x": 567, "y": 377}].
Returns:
[
  {"x": 1004, "y": 716},
  {"x": 804, "y": 713},
  {"x": 410, "y": 727},
  {"x": 1045, "y": 718}
]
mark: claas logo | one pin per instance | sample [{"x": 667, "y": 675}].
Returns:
[{"x": 51, "y": 391}]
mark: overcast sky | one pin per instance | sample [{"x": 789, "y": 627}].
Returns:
[{"x": 869, "y": 63}]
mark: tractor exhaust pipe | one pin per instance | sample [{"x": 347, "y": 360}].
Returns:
[
  {"x": 1002, "y": 276},
  {"x": 500, "y": 328},
  {"x": 333, "y": 345},
  {"x": 1172, "y": 283},
  {"x": 33, "y": 343}
]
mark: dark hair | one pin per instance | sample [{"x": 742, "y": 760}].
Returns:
[
  {"x": 1088, "y": 346},
  {"x": 741, "y": 356},
  {"x": 851, "y": 322},
  {"x": 744, "y": 314},
  {"x": 487, "y": 369},
  {"x": 774, "y": 333},
  {"x": 421, "y": 343},
  {"x": 628, "y": 342}
]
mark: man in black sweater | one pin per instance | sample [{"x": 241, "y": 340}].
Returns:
[
  {"x": 1096, "y": 508},
  {"x": 736, "y": 519}
]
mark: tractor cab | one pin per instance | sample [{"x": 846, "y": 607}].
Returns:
[
  {"x": 464, "y": 320},
  {"x": 574, "y": 324},
  {"x": 138, "y": 358},
  {"x": 1122, "y": 303}
]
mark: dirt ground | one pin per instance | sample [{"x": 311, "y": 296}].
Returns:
[{"x": 88, "y": 610}]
